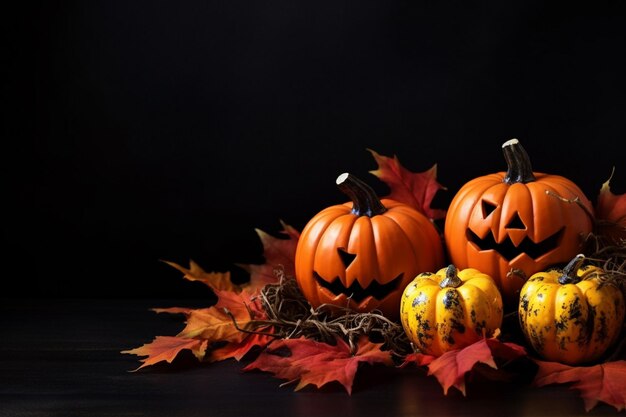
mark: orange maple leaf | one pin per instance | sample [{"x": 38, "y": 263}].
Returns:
[
  {"x": 214, "y": 280},
  {"x": 278, "y": 253},
  {"x": 173, "y": 310},
  {"x": 451, "y": 367},
  {"x": 166, "y": 348},
  {"x": 315, "y": 363},
  {"x": 222, "y": 322},
  {"x": 237, "y": 306},
  {"x": 414, "y": 189},
  {"x": 217, "y": 323},
  {"x": 604, "y": 382}
]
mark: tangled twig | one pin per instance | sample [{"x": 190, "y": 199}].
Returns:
[
  {"x": 292, "y": 316},
  {"x": 610, "y": 256}
]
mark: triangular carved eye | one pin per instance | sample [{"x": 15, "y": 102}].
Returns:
[
  {"x": 488, "y": 208},
  {"x": 346, "y": 257},
  {"x": 516, "y": 223}
]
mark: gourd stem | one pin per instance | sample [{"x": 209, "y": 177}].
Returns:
[
  {"x": 569, "y": 275},
  {"x": 365, "y": 202},
  {"x": 452, "y": 279},
  {"x": 519, "y": 168}
]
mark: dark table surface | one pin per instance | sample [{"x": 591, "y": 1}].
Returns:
[{"x": 62, "y": 358}]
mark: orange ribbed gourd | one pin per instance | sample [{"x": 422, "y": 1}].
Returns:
[
  {"x": 513, "y": 224},
  {"x": 363, "y": 253}
]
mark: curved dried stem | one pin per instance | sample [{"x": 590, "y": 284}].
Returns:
[{"x": 576, "y": 200}]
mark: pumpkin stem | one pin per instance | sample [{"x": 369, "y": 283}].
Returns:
[
  {"x": 452, "y": 279},
  {"x": 365, "y": 202},
  {"x": 518, "y": 163},
  {"x": 569, "y": 275}
]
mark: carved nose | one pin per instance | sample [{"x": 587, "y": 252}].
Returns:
[
  {"x": 346, "y": 257},
  {"x": 516, "y": 223}
]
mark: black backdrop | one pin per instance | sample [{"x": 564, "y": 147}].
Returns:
[{"x": 150, "y": 130}]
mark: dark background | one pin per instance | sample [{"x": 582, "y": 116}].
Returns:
[{"x": 149, "y": 130}]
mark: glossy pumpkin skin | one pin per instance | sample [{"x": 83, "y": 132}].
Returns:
[
  {"x": 573, "y": 320},
  {"x": 516, "y": 221},
  {"x": 439, "y": 317},
  {"x": 349, "y": 255}
]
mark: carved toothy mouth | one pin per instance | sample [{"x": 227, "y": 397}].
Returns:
[
  {"x": 508, "y": 250},
  {"x": 358, "y": 293}
]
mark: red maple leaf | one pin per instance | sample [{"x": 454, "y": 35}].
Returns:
[
  {"x": 279, "y": 254},
  {"x": 166, "y": 348},
  {"x": 418, "y": 359},
  {"x": 311, "y": 362},
  {"x": 221, "y": 323},
  {"x": 604, "y": 382},
  {"x": 611, "y": 213},
  {"x": 238, "y": 350},
  {"x": 451, "y": 368},
  {"x": 237, "y": 306},
  {"x": 414, "y": 189}
]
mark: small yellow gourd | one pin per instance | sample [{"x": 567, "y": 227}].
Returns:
[
  {"x": 450, "y": 309},
  {"x": 573, "y": 315}
]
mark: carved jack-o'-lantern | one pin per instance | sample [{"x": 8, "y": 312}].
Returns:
[
  {"x": 512, "y": 224},
  {"x": 363, "y": 254}
]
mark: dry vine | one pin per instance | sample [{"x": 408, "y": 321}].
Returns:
[
  {"x": 291, "y": 316},
  {"x": 610, "y": 255}
]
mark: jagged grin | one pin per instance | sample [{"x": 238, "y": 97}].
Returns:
[
  {"x": 358, "y": 293},
  {"x": 508, "y": 250}
]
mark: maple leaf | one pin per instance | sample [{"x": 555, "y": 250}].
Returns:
[
  {"x": 173, "y": 310},
  {"x": 451, "y": 367},
  {"x": 418, "y": 359},
  {"x": 166, "y": 348},
  {"x": 238, "y": 350},
  {"x": 611, "y": 212},
  {"x": 221, "y": 323},
  {"x": 278, "y": 253},
  {"x": 315, "y": 363},
  {"x": 217, "y": 323},
  {"x": 604, "y": 382},
  {"x": 415, "y": 189},
  {"x": 214, "y": 280}
]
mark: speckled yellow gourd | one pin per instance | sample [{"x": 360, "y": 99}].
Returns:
[
  {"x": 573, "y": 315},
  {"x": 450, "y": 309}
]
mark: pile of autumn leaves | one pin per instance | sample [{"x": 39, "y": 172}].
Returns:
[{"x": 242, "y": 325}]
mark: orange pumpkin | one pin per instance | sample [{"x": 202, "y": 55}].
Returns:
[
  {"x": 362, "y": 254},
  {"x": 513, "y": 224}
]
